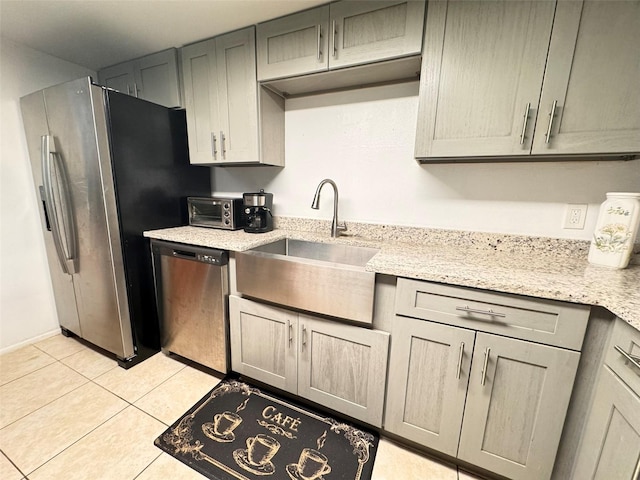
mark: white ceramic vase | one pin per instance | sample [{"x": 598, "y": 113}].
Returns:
[{"x": 616, "y": 230}]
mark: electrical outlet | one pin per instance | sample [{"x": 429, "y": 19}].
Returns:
[{"x": 575, "y": 215}]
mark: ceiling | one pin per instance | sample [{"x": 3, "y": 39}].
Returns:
[{"x": 100, "y": 33}]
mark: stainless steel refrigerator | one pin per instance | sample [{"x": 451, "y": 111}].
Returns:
[{"x": 106, "y": 167}]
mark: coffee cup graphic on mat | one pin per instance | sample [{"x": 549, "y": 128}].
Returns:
[
  {"x": 221, "y": 430},
  {"x": 312, "y": 465},
  {"x": 261, "y": 449},
  {"x": 257, "y": 457}
]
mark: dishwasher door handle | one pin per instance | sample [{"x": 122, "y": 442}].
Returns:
[{"x": 184, "y": 254}]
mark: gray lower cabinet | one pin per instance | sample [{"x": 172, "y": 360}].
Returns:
[
  {"x": 523, "y": 78},
  {"x": 340, "y": 366},
  {"x": 153, "y": 78},
  {"x": 430, "y": 365},
  {"x": 458, "y": 385},
  {"x": 517, "y": 401},
  {"x": 610, "y": 447}
]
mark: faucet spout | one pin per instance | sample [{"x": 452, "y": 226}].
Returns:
[{"x": 336, "y": 227}]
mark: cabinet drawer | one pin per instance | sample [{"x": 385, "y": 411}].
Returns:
[
  {"x": 544, "y": 321},
  {"x": 626, "y": 338}
]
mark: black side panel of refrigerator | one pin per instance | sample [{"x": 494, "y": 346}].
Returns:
[{"x": 153, "y": 177}]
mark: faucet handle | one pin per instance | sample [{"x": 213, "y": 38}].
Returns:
[{"x": 341, "y": 227}]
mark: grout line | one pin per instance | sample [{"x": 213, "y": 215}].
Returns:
[
  {"x": 11, "y": 461},
  {"x": 150, "y": 463}
]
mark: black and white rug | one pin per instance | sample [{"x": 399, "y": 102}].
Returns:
[{"x": 241, "y": 432}]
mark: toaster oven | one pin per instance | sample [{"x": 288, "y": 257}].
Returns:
[{"x": 216, "y": 212}]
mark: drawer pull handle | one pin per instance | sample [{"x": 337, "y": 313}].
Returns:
[
  {"x": 319, "y": 53},
  {"x": 304, "y": 336},
  {"x": 459, "y": 368},
  {"x": 634, "y": 359},
  {"x": 487, "y": 353},
  {"x": 489, "y": 312}
]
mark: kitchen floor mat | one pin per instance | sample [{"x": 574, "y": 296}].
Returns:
[{"x": 240, "y": 432}]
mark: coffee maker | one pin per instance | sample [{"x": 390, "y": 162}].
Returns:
[{"x": 257, "y": 210}]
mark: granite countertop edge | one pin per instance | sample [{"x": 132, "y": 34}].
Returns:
[{"x": 542, "y": 274}]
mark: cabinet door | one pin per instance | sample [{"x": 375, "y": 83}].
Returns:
[
  {"x": 263, "y": 343},
  {"x": 293, "y": 45},
  {"x": 611, "y": 444},
  {"x": 343, "y": 367},
  {"x": 516, "y": 404},
  {"x": 120, "y": 77},
  {"x": 368, "y": 31},
  {"x": 237, "y": 100},
  {"x": 482, "y": 71},
  {"x": 428, "y": 377},
  {"x": 201, "y": 101},
  {"x": 593, "y": 79},
  {"x": 157, "y": 78}
]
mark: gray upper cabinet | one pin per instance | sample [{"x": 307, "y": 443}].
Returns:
[
  {"x": 293, "y": 45},
  {"x": 153, "y": 78},
  {"x": 493, "y": 72},
  {"x": 593, "y": 80},
  {"x": 338, "y": 35},
  {"x": 230, "y": 118}
]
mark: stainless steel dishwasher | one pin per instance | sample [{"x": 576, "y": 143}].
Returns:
[{"x": 192, "y": 287}]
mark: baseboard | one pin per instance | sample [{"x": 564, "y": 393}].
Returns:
[{"x": 30, "y": 341}]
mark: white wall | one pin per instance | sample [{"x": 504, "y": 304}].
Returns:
[
  {"x": 27, "y": 309},
  {"x": 363, "y": 139}
]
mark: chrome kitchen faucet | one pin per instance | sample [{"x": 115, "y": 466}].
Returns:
[{"x": 336, "y": 227}]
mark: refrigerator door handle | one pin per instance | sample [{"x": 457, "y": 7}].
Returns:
[{"x": 66, "y": 250}]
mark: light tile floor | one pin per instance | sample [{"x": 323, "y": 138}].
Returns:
[{"x": 69, "y": 412}]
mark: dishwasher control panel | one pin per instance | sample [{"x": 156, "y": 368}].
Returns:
[{"x": 213, "y": 258}]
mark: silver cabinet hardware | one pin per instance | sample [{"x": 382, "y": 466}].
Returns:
[
  {"x": 290, "y": 333},
  {"x": 304, "y": 337},
  {"x": 489, "y": 312},
  {"x": 222, "y": 145},
  {"x": 214, "y": 148},
  {"x": 524, "y": 123},
  {"x": 333, "y": 40},
  {"x": 459, "y": 368},
  {"x": 551, "y": 115},
  {"x": 487, "y": 353},
  {"x": 135, "y": 89},
  {"x": 319, "y": 28},
  {"x": 633, "y": 359}
]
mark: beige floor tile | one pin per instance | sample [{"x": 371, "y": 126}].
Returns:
[
  {"x": 60, "y": 346},
  {"x": 394, "y": 461},
  {"x": 22, "y": 362},
  {"x": 119, "y": 449},
  {"x": 167, "y": 467},
  {"x": 136, "y": 382},
  {"x": 38, "y": 437},
  {"x": 171, "y": 399},
  {"x": 33, "y": 391},
  {"x": 90, "y": 363},
  {"x": 7, "y": 470}
]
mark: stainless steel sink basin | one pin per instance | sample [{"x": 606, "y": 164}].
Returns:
[{"x": 324, "y": 278}]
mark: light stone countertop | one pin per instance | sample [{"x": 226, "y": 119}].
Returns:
[{"x": 533, "y": 266}]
